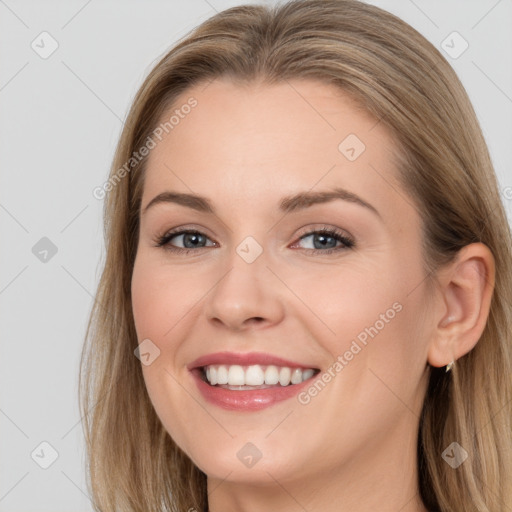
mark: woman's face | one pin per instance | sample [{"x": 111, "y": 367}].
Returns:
[{"x": 259, "y": 294}]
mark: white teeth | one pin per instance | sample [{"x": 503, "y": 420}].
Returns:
[
  {"x": 307, "y": 374},
  {"x": 271, "y": 375},
  {"x": 236, "y": 375},
  {"x": 211, "y": 375},
  {"x": 222, "y": 375},
  {"x": 297, "y": 376},
  {"x": 255, "y": 375},
  {"x": 285, "y": 375}
]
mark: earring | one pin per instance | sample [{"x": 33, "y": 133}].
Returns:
[{"x": 449, "y": 366}]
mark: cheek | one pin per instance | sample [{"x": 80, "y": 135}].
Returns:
[
  {"x": 370, "y": 312},
  {"x": 160, "y": 298},
  {"x": 347, "y": 299},
  {"x": 159, "y": 301},
  {"x": 374, "y": 335}
]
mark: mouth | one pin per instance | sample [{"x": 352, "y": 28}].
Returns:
[
  {"x": 244, "y": 378},
  {"x": 249, "y": 382}
]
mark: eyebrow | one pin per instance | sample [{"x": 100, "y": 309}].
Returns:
[{"x": 287, "y": 204}]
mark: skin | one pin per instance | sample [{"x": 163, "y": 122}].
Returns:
[{"x": 353, "y": 446}]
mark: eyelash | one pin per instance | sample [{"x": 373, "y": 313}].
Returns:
[{"x": 348, "y": 243}]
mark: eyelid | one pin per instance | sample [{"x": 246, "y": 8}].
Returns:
[
  {"x": 342, "y": 236},
  {"x": 339, "y": 234},
  {"x": 186, "y": 227},
  {"x": 309, "y": 229},
  {"x": 163, "y": 240}
]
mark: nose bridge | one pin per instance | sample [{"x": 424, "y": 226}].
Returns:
[{"x": 246, "y": 289}]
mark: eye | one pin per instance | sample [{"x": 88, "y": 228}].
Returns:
[
  {"x": 191, "y": 239},
  {"x": 325, "y": 240}
]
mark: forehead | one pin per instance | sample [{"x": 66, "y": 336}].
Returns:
[{"x": 258, "y": 141}]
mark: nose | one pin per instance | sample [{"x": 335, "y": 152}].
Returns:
[{"x": 247, "y": 295}]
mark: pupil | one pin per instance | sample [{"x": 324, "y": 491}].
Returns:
[
  {"x": 323, "y": 239},
  {"x": 191, "y": 237}
]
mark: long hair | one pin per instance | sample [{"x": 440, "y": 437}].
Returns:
[{"x": 443, "y": 164}]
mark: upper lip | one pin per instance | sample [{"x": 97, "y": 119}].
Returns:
[{"x": 245, "y": 359}]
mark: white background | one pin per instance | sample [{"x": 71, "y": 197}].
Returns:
[{"x": 60, "y": 120}]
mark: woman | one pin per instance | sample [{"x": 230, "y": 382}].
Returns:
[{"x": 306, "y": 298}]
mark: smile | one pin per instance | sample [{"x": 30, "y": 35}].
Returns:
[
  {"x": 250, "y": 381},
  {"x": 236, "y": 377}
]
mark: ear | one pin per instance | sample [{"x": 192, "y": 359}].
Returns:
[{"x": 466, "y": 286}]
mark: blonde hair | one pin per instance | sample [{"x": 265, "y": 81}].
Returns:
[{"x": 443, "y": 163}]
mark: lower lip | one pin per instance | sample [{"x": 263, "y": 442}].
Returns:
[{"x": 250, "y": 400}]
